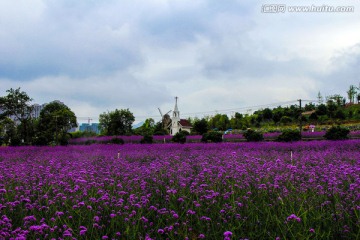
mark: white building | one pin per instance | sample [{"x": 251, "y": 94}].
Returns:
[{"x": 178, "y": 124}]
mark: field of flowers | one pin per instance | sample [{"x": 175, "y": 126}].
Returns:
[{"x": 268, "y": 190}]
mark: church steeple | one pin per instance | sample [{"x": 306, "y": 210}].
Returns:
[{"x": 176, "y": 113}]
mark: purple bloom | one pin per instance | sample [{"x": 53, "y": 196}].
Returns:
[
  {"x": 293, "y": 217},
  {"x": 67, "y": 233}
]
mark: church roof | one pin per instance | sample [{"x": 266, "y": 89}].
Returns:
[{"x": 185, "y": 123}]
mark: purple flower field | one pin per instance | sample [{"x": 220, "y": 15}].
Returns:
[{"x": 267, "y": 190}]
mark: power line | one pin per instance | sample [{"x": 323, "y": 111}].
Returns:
[{"x": 228, "y": 110}]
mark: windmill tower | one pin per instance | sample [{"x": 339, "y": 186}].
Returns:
[{"x": 165, "y": 119}]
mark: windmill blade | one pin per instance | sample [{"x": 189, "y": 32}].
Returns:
[
  {"x": 168, "y": 112},
  {"x": 160, "y": 112}
]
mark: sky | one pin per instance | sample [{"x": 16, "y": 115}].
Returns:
[{"x": 216, "y": 56}]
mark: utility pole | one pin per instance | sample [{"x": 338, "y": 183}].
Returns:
[{"x": 300, "y": 120}]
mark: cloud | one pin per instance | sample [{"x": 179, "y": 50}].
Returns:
[{"x": 101, "y": 55}]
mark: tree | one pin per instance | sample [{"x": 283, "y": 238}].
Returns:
[
  {"x": 267, "y": 114},
  {"x": 289, "y": 136},
  {"x": 55, "y": 120},
  {"x": 17, "y": 105},
  {"x": 180, "y": 137},
  {"x": 219, "y": 121},
  {"x": 147, "y": 128},
  {"x": 212, "y": 136},
  {"x": 337, "y": 133},
  {"x": 320, "y": 98},
  {"x": 321, "y": 110},
  {"x": 200, "y": 126},
  {"x": 309, "y": 107},
  {"x": 117, "y": 122},
  {"x": 352, "y": 93},
  {"x": 252, "y": 136},
  {"x": 159, "y": 129},
  {"x": 8, "y": 132}
]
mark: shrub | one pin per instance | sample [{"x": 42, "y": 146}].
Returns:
[
  {"x": 212, "y": 137},
  {"x": 180, "y": 137},
  {"x": 337, "y": 133},
  {"x": 147, "y": 139},
  {"x": 285, "y": 120},
  {"x": 89, "y": 142},
  {"x": 252, "y": 136},
  {"x": 289, "y": 136},
  {"x": 41, "y": 141},
  {"x": 64, "y": 140},
  {"x": 15, "y": 141},
  {"x": 116, "y": 140}
]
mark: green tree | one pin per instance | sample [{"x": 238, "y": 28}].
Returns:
[
  {"x": 337, "y": 133},
  {"x": 55, "y": 120},
  {"x": 200, "y": 126},
  {"x": 147, "y": 128},
  {"x": 219, "y": 121},
  {"x": 321, "y": 110},
  {"x": 17, "y": 105},
  {"x": 212, "y": 136},
  {"x": 267, "y": 114},
  {"x": 9, "y": 132},
  {"x": 351, "y": 93},
  {"x": 117, "y": 122},
  {"x": 159, "y": 129},
  {"x": 253, "y": 136},
  {"x": 309, "y": 107},
  {"x": 180, "y": 137}
]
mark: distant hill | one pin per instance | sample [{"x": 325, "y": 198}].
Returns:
[{"x": 135, "y": 126}]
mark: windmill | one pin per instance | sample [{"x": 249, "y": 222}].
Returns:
[{"x": 165, "y": 119}]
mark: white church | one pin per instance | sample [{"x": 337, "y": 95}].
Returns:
[{"x": 178, "y": 124}]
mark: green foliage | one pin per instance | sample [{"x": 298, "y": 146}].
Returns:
[
  {"x": 321, "y": 110},
  {"x": 220, "y": 121},
  {"x": 64, "y": 139},
  {"x": 289, "y": 135},
  {"x": 212, "y": 136},
  {"x": 117, "y": 140},
  {"x": 40, "y": 140},
  {"x": 159, "y": 129},
  {"x": 148, "y": 128},
  {"x": 79, "y": 134},
  {"x": 313, "y": 116},
  {"x": 18, "y": 105},
  {"x": 200, "y": 126},
  {"x": 117, "y": 122},
  {"x": 285, "y": 120},
  {"x": 337, "y": 133},
  {"x": 180, "y": 137},
  {"x": 55, "y": 120},
  {"x": 253, "y": 136},
  {"x": 147, "y": 139},
  {"x": 340, "y": 114}
]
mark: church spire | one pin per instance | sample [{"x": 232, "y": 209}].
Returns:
[
  {"x": 176, "y": 113},
  {"x": 176, "y": 107}
]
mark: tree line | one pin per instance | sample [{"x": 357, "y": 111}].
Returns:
[{"x": 18, "y": 126}]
